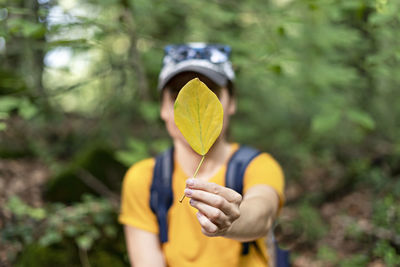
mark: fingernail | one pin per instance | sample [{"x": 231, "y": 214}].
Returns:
[
  {"x": 190, "y": 182},
  {"x": 188, "y": 192},
  {"x": 191, "y": 201}
]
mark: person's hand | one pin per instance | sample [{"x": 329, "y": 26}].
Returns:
[{"x": 218, "y": 206}]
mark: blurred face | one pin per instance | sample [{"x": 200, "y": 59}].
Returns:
[{"x": 167, "y": 113}]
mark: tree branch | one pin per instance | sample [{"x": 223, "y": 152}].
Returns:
[{"x": 100, "y": 188}]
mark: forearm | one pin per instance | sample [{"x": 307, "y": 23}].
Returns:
[
  {"x": 143, "y": 248},
  {"x": 257, "y": 214},
  {"x": 223, "y": 212}
]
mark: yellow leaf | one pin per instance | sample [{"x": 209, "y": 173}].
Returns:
[{"x": 198, "y": 115}]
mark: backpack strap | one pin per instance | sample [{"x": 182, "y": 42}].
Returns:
[
  {"x": 237, "y": 166},
  {"x": 161, "y": 196},
  {"x": 234, "y": 179},
  {"x": 235, "y": 173},
  {"x": 282, "y": 256}
]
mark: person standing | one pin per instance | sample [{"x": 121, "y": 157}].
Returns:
[{"x": 215, "y": 225}]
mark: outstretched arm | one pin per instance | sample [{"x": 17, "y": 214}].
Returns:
[
  {"x": 223, "y": 212},
  {"x": 143, "y": 248},
  {"x": 257, "y": 214}
]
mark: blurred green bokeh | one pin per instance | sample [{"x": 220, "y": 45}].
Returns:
[{"x": 317, "y": 83}]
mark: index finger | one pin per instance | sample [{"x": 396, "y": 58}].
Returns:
[{"x": 227, "y": 193}]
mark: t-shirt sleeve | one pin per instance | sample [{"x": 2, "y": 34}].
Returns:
[
  {"x": 135, "y": 199},
  {"x": 265, "y": 170}
]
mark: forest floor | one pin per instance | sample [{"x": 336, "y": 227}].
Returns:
[
  {"x": 340, "y": 216},
  {"x": 25, "y": 178}
]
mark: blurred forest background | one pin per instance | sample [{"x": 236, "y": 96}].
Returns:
[{"x": 317, "y": 86}]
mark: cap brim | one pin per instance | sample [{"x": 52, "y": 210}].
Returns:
[{"x": 216, "y": 77}]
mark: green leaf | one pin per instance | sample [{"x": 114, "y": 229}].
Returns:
[
  {"x": 71, "y": 230},
  {"x": 149, "y": 111},
  {"x": 198, "y": 115},
  {"x": 37, "y": 213},
  {"x": 8, "y": 103},
  {"x": 51, "y": 237},
  {"x": 325, "y": 122},
  {"x": 327, "y": 253},
  {"x": 361, "y": 118},
  {"x": 110, "y": 231},
  {"x": 16, "y": 206},
  {"x": 84, "y": 242},
  {"x": 26, "y": 28},
  {"x": 3, "y": 115},
  {"x": 27, "y": 110},
  {"x": 137, "y": 150}
]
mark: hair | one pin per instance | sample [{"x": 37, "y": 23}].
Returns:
[{"x": 175, "y": 84}]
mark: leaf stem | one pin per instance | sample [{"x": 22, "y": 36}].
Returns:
[{"x": 194, "y": 175}]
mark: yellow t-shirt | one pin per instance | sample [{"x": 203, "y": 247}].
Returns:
[{"x": 186, "y": 245}]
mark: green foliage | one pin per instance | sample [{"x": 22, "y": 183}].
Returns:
[
  {"x": 54, "y": 233},
  {"x": 388, "y": 253},
  {"x": 10, "y": 82},
  {"x": 21, "y": 106},
  {"x": 355, "y": 260},
  {"x": 386, "y": 213},
  {"x": 354, "y": 232},
  {"x": 317, "y": 85},
  {"x": 309, "y": 223},
  {"x": 25, "y": 28},
  {"x": 328, "y": 254},
  {"x": 37, "y": 256},
  {"x": 137, "y": 150},
  {"x": 20, "y": 209}
]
